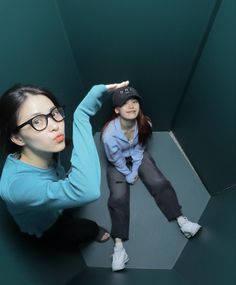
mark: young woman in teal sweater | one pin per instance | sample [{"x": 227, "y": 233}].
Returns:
[{"x": 33, "y": 183}]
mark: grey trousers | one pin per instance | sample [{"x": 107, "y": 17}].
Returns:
[{"x": 119, "y": 200}]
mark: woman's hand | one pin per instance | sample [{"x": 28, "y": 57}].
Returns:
[
  {"x": 115, "y": 86},
  {"x": 135, "y": 179}
]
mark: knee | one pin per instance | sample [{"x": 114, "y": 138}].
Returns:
[
  {"x": 118, "y": 200},
  {"x": 164, "y": 184},
  {"x": 160, "y": 184}
]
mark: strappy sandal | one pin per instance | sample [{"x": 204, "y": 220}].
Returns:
[{"x": 101, "y": 233}]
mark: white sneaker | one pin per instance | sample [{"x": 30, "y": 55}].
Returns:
[
  {"x": 188, "y": 228},
  {"x": 119, "y": 259}
]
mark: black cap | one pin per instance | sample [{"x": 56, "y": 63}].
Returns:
[{"x": 121, "y": 95}]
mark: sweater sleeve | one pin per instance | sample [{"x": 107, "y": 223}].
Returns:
[
  {"x": 83, "y": 182},
  {"x": 85, "y": 165}
]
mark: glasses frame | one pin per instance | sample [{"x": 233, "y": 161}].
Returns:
[{"x": 46, "y": 116}]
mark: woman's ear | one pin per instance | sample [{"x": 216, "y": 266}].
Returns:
[
  {"x": 117, "y": 110},
  {"x": 17, "y": 139}
]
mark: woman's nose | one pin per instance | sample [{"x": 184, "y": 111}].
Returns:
[
  {"x": 131, "y": 105},
  {"x": 52, "y": 124}
]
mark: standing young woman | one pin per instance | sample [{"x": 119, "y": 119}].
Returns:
[
  {"x": 34, "y": 184},
  {"x": 125, "y": 137}
]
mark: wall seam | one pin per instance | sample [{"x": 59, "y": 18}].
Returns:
[
  {"x": 69, "y": 43},
  {"x": 199, "y": 52}
]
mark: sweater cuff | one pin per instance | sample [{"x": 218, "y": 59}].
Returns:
[{"x": 130, "y": 178}]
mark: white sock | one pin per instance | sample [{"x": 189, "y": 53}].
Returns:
[
  {"x": 181, "y": 220},
  {"x": 118, "y": 243}
]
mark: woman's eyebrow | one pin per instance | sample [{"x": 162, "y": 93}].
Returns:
[{"x": 38, "y": 114}]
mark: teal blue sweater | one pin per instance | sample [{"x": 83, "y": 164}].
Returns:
[{"x": 35, "y": 197}]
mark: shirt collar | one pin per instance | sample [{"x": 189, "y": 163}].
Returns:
[{"x": 120, "y": 132}]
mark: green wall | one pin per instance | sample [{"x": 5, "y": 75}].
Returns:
[
  {"x": 212, "y": 258},
  {"x": 206, "y": 128},
  {"x": 152, "y": 43},
  {"x": 181, "y": 58},
  {"x": 34, "y": 49},
  {"x": 205, "y": 123},
  {"x": 180, "y": 55}
]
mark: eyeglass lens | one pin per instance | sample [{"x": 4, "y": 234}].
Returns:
[{"x": 40, "y": 122}]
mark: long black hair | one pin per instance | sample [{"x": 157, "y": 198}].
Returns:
[{"x": 10, "y": 102}]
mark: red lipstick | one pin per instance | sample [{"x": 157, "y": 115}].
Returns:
[{"x": 59, "y": 138}]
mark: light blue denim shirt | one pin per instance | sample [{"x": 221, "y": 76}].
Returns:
[{"x": 118, "y": 147}]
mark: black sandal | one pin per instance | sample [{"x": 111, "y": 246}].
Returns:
[{"x": 101, "y": 233}]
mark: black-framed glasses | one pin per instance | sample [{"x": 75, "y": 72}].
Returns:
[{"x": 40, "y": 122}]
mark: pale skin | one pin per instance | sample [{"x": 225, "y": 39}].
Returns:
[
  {"x": 128, "y": 114},
  {"x": 38, "y": 147}
]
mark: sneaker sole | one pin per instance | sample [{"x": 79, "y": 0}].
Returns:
[
  {"x": 197, "y": 230},
  {"x": 121, "y": 267},
  {"x": 189, "y": 235}
]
